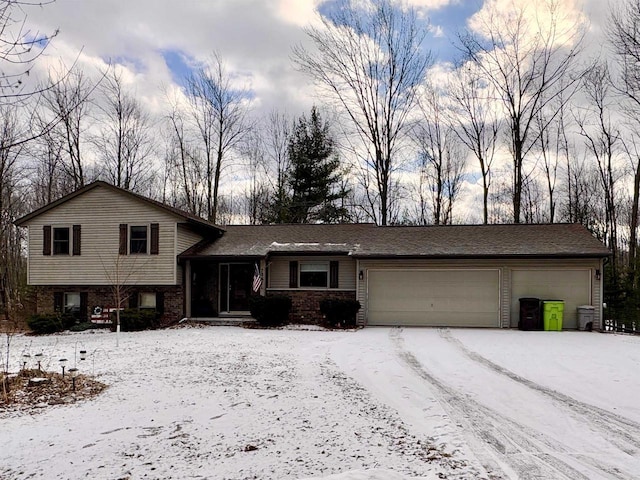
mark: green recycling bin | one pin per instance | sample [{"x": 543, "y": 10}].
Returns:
[{"x": 552, "y": 314}]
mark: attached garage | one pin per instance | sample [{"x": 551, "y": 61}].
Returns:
[
  {"x": 434, "y": 297},
  {"x": 572, "y": 285}
]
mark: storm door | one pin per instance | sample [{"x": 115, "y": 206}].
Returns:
[{"x": 235, "y": 286}]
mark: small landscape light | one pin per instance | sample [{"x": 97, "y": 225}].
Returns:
[
  {"x": 63, "y": 364},
  {"x": 73, "y": 371},
  {"x": 26, "y": 358},
  {"x": 39, "y": 357},
  {"x": 83, "y": 354}
]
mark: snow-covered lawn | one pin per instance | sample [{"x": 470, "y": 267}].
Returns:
[{"x": 378, "y": 403}]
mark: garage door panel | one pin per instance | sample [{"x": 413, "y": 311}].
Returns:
[
  {"x": 433, "y": 297},
  {"x": 571, "y": 285}
]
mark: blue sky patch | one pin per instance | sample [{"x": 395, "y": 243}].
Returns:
[{"x": 180, "y": 65}]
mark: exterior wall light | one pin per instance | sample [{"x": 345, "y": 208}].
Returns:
[
  {"x": 598, "y": 274},
  {"x": 361, "y": 275}
]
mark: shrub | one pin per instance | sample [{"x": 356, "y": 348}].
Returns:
[
  {"x": 134, "y": 320},
  {"x": 50, "y": 322},
  {"x": 81, "y": 327},
  {"x": 270, "y": 311},
  {"x": 339, "y": 313}
]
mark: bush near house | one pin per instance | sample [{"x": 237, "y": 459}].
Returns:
[
  {"x": 135, "y": 320},
  {"x": 270, "y": 311},
  {"x": 339, "y": 313},
  {"x": 50, "y": 322}
]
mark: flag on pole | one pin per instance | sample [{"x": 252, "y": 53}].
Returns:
[{"x": 257, "y": 279}]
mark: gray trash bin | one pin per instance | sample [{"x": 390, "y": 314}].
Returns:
[{"x": 585, "y": 317}]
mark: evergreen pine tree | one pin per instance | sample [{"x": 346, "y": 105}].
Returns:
[{"x": 313, "y": 178}]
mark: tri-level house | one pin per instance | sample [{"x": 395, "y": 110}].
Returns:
[{"x": 183, "y": 266}]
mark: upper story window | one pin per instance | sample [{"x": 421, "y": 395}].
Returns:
[
  {"x": 138, "y": 239},
  {"x": 314, "y": 274},
  {"x": 61, "y": 241}
]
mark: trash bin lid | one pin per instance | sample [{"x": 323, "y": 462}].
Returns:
[
  {"x": 586, "y": 307},
  {"x": 529, "y": 299}
]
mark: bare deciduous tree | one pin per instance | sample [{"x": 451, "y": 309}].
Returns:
[
  {"x": 66, "y": 102},
  {"x": 371, "y": 60},
  {"x": 603, "y": 141},
  {"x": 528, "y": 53},
  {"x": 19, "y": 49},
  {"x": 441, "y": 161},
  {"x": 124, "y": 143},
  {"x": 220, "y": 113},
  {"x": 624, "y": 37},
  {"x": 477, "y": 123}
]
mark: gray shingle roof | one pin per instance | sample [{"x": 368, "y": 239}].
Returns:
[{"x": 368, "y": 240}]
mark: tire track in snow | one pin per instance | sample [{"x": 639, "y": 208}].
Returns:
[
  {"x": 525, "y": 450},
  {"x": 625, "y": 431}
]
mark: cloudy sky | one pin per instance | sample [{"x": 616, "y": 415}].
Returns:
[{"x": 158, "y": 40}]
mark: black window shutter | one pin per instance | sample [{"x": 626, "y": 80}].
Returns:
[
  {"x": 333, "y": 274},
  {"x": 58, "y": 298},
  {"x": 123, "y": 239},
  {"x": 133, "y": 300},
  {"x": 46, "y": 240},
  {"x": 76, "y": 240},
  {"x": 84, "y": 301},
  {"x": 160, "y": 302},
  {"x": 155, "y": 239},
  {"x": 293, "y": 274}
]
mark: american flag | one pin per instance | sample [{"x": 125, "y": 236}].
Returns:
[{"x": 257, "y": 279}]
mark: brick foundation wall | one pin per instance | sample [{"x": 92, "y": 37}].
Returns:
[
  {"x": 103, "y": 296},
  {"x": 305, "y": 304}
]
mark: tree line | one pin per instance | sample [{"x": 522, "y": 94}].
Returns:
[{"x": 540, "y": 131}]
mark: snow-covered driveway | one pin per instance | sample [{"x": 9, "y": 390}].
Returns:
[{"x": 230, "y": 403}]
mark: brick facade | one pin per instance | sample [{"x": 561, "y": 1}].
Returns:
[
  {"x": 102, "y": 295},
  {"x": 305, "y": 304}
]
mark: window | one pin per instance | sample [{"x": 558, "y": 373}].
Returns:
[
  {"x": 147, "y": 300},
  {"x": 61, "y": 241},
  {"x": 138, "y": 239},
  {"x": 314, "y": 274},
  {"x": 71, "y": 302}
]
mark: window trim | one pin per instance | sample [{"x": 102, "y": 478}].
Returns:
[
  {"x": 69, "y": 240},
  {"x": 325, "y": 263},
  {"x": 130, "y": 239},
  {"x": 65, "y": 303},
  {"x": 150, "y": 294}
]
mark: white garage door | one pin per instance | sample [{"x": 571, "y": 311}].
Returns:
[
  {"x": 572, "y": 286},
  {"x": 461, "y": 298}
]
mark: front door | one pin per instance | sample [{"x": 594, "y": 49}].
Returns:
[{"x": 235, "y": 286}]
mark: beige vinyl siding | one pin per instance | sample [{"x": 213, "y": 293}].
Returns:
[
  {"x": 504, "y": 265},
  {"x": 100, "y": 212},
  {"x": 572, "y": 286},
  {"x": 186, "y": 238},
  {"x": 279, "y": 270}
]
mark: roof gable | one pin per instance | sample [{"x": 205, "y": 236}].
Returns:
[{"x": 186, "y": 216}]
